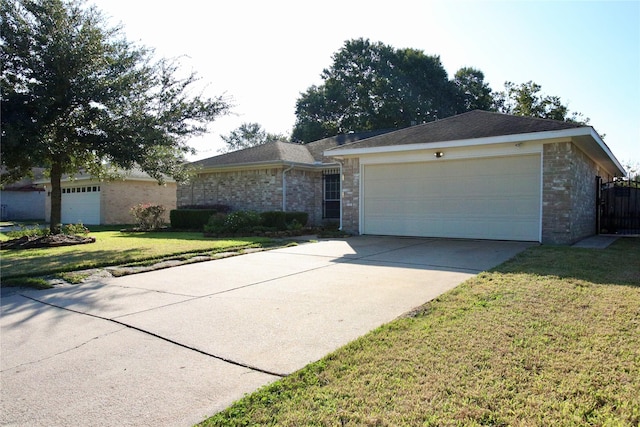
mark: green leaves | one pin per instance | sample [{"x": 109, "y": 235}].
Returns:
[
  {"x": 76, "y": 94},
  {"x": 373, "y": 86}
]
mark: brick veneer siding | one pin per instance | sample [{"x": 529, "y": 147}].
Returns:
[
  {"x": 257, "y": 189},
  {"x": 118, "y": 197},
  {"x": 568, "y": 194},
  {"x": 351, "y": 195}
]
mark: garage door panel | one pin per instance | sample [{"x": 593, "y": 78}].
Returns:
[
  {"x": 81, "y": 205},
  {"x": 496, "y": 198}
]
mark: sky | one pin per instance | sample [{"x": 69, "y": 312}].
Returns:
[{"x": 263, "y": 54}]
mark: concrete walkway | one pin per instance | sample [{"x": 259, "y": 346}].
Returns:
[
  {"x": 174, "y": 346},
  {"x": 596, "y": 242}
]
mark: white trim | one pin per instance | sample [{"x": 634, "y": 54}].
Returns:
[
  {"x": 434, "y": 146},
  {"x": 361, "y": 200},
  {"x": 541, "y": 195},
  {"x": 586, "y": 138},
  {"x": 536, "y": 149},
  {"x": 457, "y": 153}
]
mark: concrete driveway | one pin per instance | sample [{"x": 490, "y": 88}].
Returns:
[{"x": 174, "y": 346}]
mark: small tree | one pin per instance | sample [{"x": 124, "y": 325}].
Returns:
[
  {"x": 248, "y": 135},
  {"x": 148, "y": 216}
]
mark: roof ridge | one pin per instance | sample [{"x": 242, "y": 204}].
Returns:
[{"x": 521, "y": 117}]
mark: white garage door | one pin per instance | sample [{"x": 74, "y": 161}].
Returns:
[
  {"x": 81, "y": 204},
  {"x": 493, "y": 198}
]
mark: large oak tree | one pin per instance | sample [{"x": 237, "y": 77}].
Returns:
[
  {"x": 373, "y": 86},
  {"x": 76, "y": 95}
]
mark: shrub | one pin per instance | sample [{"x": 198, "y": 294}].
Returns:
[
  {"x": 148, "y": 216},
  {"x": 75, "y": 229},
  {"x": 26, "y": 231},
  {"x": 235, "y": 222},
  {"x": 190, "y": 219},
  {"x": 274, "y": 219},
  {"x": 284, "y": 220},
  {"x": 215, "y": 225},
  {"x": 300, "y": 217},
  {"x": 242, "y": 221}
]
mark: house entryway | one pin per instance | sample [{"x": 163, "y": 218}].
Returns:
[{"x": 618, "y": 206}]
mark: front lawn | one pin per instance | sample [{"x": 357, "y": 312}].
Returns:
[
  {"x": 114, "y": 248},
  {"x": 551, "y": 337}
]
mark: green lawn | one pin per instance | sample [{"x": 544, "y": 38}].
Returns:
[
  {"x": 114, "y": 248},
  {"x": 551, "y": 337}
]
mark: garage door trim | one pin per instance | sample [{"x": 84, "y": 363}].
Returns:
[{"x": 399, "y": 160}]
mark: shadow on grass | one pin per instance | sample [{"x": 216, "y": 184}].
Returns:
[
  {"x": 619, "y": 264},
  {"x": 59, "y": 263},
  {"x": 185, "y": 235}
]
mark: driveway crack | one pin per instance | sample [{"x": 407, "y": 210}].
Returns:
[
  {"x": 169, "y": 340},
  {"x": 63, "y": 351}
]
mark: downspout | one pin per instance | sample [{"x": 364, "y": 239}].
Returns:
[{"x": 284, "y": 188}]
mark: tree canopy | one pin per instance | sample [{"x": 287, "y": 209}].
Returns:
[
  {"x": 76, "y": 95},
  {"x": 372, "y": 86},
  {"x": 526, "y": 99},
  {"x": 248, "y": 135},
  {"x": 472, "y": 91}
]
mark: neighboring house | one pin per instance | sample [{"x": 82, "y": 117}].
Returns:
[
  {"x": 477, "y": 175},
  {"x": 23, "y": 200},
  {"x": 94, "y": 202}
]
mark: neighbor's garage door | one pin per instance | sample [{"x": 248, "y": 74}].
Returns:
[
  {"x": 492, "y": 198},
  {"x": 81, "y": 204}
]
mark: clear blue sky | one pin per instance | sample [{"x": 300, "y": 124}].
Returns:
[{"x": 264, "y": 53}]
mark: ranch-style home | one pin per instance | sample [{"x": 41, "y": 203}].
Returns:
[{"x": 477, "y": 175}]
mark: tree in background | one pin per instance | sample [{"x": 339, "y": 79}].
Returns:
[
  {"x": 373, "y": 86},
  {"x": 527, "y": 100},
  {"x": 76, "y": 95},
  {"x": 472, "y": 91},
  {"x": 248, "y": 135}
]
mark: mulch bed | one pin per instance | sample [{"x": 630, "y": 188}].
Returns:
[{"x": 45, "y": 241}]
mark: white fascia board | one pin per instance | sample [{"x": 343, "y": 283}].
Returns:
[
  {"x": 604, "y": 147},
  {"x": 256, "y": 165},
  {"x": 502, "y": 139}
]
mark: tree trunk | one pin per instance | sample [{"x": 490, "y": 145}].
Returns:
[{"x": 56, "y": 199}]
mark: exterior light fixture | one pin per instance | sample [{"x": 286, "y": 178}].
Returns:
[{"x": 438, "y": 154}]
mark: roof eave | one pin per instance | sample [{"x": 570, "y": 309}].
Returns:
[
  {"x": 256, "y": 165},
  {"x": 595, "y": 147},
  {"x": 585, "y": 137},
  {"x": 501, "y": 139}
]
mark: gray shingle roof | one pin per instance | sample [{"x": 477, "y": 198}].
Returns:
[
  {"x": 276, "y": 151},
  {"x": 471, "y": 125},
  {"x": 283, "y": 152}
]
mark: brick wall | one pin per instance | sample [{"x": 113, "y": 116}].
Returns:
[
  {"x": 258, "y": 189},
  {"x": 351, "y": 195},
  {"x": 118, "y": 197},
  {"x": 568, "y": 194}
]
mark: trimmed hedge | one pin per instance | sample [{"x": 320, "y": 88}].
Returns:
[
  {"x": 190, "y": 219},
  {"x": 282, "y": 220}
]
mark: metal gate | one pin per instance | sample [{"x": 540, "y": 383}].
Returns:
[{"x": 618, "y": 206}]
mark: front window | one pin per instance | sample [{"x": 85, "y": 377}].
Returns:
[{"x": 331, "y": 200}]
